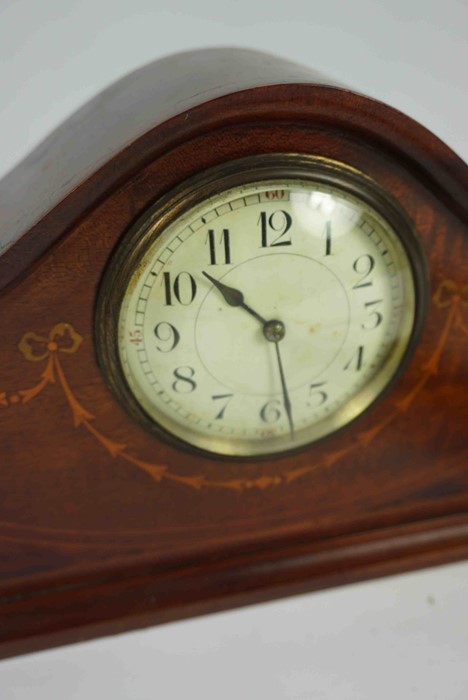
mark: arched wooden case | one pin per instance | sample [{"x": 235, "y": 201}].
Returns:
[{"x": 103, "y": 525}]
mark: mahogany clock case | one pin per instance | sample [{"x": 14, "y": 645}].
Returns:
[{"x": 105, "y": 526}]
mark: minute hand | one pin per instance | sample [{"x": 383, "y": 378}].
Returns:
[
  {"x": 286, "y": 400},
  {"x": 234, "y": 297}
]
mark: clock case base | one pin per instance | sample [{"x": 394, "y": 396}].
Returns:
[
  {"x": 128, "y": 598},
  {"x": 104, "y": 527}
]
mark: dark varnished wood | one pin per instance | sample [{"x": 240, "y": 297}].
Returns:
[{"x": 102, "y": 526}]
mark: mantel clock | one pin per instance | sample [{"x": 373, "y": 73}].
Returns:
[{"x": 234, "y": 322}]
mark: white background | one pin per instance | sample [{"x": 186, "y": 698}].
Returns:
[{"x": 402, "y": 637}]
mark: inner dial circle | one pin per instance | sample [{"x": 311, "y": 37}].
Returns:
[
  {"x": 196, "y": 342},
  {"x": 312, "y": 305}
]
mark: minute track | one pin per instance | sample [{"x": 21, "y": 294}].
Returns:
[{"x": 306, "y": 286}]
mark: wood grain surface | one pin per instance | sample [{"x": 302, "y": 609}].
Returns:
[{"x": 102, "y": 526}]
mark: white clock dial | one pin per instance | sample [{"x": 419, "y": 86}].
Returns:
[{"x": 266, "y": 316}]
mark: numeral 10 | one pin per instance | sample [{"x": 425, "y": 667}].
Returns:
[{"x": 183, "y": 289}]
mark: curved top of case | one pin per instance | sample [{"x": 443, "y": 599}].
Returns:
[{"x": 111, "y": 136}]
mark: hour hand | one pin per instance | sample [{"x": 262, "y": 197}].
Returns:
[{"x": 234, "y": 297}]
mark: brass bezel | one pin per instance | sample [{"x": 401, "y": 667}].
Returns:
[{"x": 131, "y": 249}]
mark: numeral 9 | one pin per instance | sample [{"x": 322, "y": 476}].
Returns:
[{"x": 168, "y": 335}]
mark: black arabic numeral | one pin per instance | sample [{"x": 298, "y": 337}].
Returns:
[
  {"x": 168, "y": 335},
  {"x": 184, "y": 288},
  {"x": 315, "y": 392},
  {"x": 356, "y": 360},
  {"x": 376, "y": 315},
  {"x": 218, "y": 397},
  {"x": 363, "y": 265},
  {"x": 270, "y": 412},
  {"x": 278, "y": 222},
  {"x": 328, "y": 238},
  {"x": 224, "y": 243},
  {"x": 184, "y": 384}
]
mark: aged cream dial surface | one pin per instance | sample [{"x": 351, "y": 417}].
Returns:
[{"x": 263, "y": 316}]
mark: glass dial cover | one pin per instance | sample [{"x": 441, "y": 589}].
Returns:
[{"x": 259, "y": 310}]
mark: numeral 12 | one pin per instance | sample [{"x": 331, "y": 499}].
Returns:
[{"x": 279, "y": 222}]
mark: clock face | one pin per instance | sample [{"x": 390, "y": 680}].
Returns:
[{"x": 257, "y": 318}]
